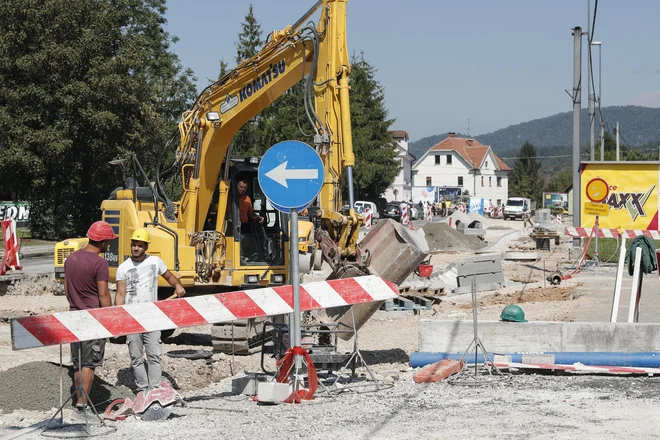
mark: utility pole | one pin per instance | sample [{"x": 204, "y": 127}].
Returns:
[
  {"x": 577, "y": 102},
  {"x": 617, "y": 141},
  {"x": 590, "y": 104}
]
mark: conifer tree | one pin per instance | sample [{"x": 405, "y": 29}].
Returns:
[
  {"x": 376, "y": 164},
  {"x": 524, "y": 180}
]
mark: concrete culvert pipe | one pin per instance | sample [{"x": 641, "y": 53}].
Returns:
[
  {"x": 306, "y": 262},
  {"x": 555, "y": 279},
  {"x": 318, "y": 259}
]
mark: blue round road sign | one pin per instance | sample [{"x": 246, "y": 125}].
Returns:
[{"x": 291, "y": 175}]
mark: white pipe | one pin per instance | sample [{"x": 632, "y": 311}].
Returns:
[
  {"x": 635, "y": 285},
  {"x": 619, "y": 280}
]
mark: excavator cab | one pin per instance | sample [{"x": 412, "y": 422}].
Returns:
[{"x": 260, "y": 244}]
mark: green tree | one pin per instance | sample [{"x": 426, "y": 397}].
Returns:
[
  {"x": 525, "y": 180},
  {"x": 82, "y": 82},
  {"x": 223, "y": 69},
  {"x": 376, "y": 163},
  {"x": 249, "y": 40},
  {"x": 560, "y": 181},
  {"x": 248, "y": 139}
]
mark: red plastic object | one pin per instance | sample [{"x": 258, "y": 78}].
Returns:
[{"x": 425, "y": 270}]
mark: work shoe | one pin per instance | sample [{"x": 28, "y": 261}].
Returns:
[{"x": 84, "y": 415}]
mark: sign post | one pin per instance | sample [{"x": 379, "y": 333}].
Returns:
[
  {"x": 597, "y": 191},
  {"x": 291, "y": 176}
]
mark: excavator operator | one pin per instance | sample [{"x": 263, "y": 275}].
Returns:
[{"x": 251, "y": 222}]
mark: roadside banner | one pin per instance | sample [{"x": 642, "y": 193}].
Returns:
[
  {"x": 17, "y": 211},
  {"x": 630, "y": 190},
  {"x": 476, "y": 204}
]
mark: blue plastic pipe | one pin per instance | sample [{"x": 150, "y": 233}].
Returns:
[{"x": 611, "y": 359}]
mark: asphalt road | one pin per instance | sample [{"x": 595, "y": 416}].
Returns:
[{"x": 37, "y": 265}]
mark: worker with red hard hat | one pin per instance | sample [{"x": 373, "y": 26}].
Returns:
[{"x": 86, "y": 286}]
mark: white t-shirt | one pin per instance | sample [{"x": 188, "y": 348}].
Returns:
[{"x": 141, "y": 278}]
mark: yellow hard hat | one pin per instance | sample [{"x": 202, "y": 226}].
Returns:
[{"x": 141, "y": 235}]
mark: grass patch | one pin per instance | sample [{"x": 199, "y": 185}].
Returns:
[
  {"x": 25, "y": 237},
  {"x": 608, "y": 249}
]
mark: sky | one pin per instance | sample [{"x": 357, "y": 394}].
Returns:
[{"x": 443, "y": 62}]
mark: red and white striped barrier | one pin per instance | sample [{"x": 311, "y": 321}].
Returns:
[
  {"x": 429, "y": 213},
  {"x": 461, "y": 207},
  {"x": 611, "y": 233},
  {"x": 367, "y": 218},
  {"x": 558, "y": 219},
  {"x": 500, "y": 211},
  {"x": 83, "y": 325},
  {"x": 10, "y": 260},
  {"x": 404, "y": 213},
  {"x": 579, "y": 367}
]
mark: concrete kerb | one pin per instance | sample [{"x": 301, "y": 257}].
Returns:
[{"x": 540, "y": 336}]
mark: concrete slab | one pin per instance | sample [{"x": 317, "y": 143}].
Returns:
[{"x": 539, "y": 336}]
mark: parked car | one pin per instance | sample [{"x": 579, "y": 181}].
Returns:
[
  {"x": 392, "y": 211},
  {"x": 370, "y": 205}
]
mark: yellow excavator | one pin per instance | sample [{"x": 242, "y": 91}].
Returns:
[{"x": 199, "y": 236}]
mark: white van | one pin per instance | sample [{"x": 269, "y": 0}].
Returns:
[
  {"x": 516, "y": 208},
  {"x": 370, "y": 205}
]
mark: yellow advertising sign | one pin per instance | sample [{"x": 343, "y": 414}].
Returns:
[
  {"x": 601, "y": 209},
  {"x": 629, "y": 190}
]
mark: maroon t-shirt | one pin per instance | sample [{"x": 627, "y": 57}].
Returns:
[{"x": 82, "y": 270}]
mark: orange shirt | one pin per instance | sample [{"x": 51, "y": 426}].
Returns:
[{"x": 245, "y": 207}]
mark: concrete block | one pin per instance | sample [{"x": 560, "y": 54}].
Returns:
[
  {"x": 540, "y": 336},
  {"x": 273, "y": 392},
  {"x": 247, "y": 385},
  {"x": 478, "y": 288}
]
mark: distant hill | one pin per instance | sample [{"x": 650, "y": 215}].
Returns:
[{"x": 639, "y": 125}]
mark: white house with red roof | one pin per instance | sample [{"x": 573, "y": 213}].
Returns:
[
  {"x": 465, "y": 163},
  {"x": 401, "y": 188}
]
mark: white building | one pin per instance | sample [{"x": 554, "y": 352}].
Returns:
[
  {"x": 464, "y": 163},
  {"x": 401, "y": 188}
]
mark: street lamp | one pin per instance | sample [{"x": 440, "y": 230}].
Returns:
[{"x": 600, "y": 115}]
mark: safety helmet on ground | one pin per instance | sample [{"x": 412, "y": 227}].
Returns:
[
  {"x": 100, "y": 231},
  {"x": 513, "y": 313},
  {"x": 141, "y": 235}
]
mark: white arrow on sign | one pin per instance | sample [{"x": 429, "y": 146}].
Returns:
[{"x": 280, "y": 174}]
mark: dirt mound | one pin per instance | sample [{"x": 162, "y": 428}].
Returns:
[
  {"x": 441, "y": 237},
  {"x": 537, "y": 294},
  {"x": 33, "y": 286},
  {"x": 35, "y": 386}
]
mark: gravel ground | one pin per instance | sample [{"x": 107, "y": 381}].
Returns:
[{"x": 518, "y": 407}]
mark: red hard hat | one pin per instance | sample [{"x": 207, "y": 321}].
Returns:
[{"x": 100, "y": 231}]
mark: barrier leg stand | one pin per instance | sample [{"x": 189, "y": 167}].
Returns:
[
  {"x": 78, "y": 388},
  {"x": 635, "y": 291},
  {"x": 619, "y": 280},
  {"x": 489, "y": 371}
]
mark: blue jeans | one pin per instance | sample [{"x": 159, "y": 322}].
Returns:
[{"x": 138, "y": 346}]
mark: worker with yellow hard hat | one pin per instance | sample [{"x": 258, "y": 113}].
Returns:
[{"x": 137, "y": 282}]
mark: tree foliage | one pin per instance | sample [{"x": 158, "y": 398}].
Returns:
[
  {"x": 376, "y": 163},
  {"x": 82, "y": 82},
  {"x": 249, "y": 40},
  {"x": 248, "y": 139},
  {"x": 524, "y": 180}
]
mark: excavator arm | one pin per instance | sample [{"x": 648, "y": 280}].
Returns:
[{"x": 315, "y": 54}]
